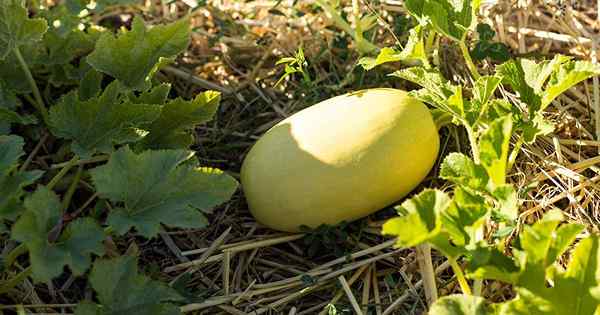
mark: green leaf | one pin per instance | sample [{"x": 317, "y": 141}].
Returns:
[
  {"x": 421, "y": 221},
  {"x": 65, "y": 48},
  {"x": 459, "y": 304},
  {"x": 461, "y": 170},
  {"x": 487, "y": 262},
  {"x": 567, "y": 75},
  {"x": 12, "y": 181},
  {"x": 513, "y": 73},
  {"x": 159, "y": 187},
  {"x": 451, "y": 18},
  {"x": 508, "y": 203},
  {"x": 570, "y": 293},
  {"x": 12, "y": 74},
  {"x": 485, "y": 31},
  {"x": 73, "y": 248},
  {"x": 122, "y": 290},
  {"x": 169, "y": 130},
  {"x": 155, "y": 96},
  {"x": 436, "y": 89},
  {"x": 536, "y": 242},
  {"x": 91, "y": 85},
  {"x": 414, "y": 50},
  {"x": 16, "y": 28},
  {"x": 540, "y": 83},
  {"x": 484, "y": 88},
  {"x": 465, "y": 216},
  {"x": 493, "y": 148},
  {"x": 96, "y": 124},
  {"x": 134, "y": 55}
]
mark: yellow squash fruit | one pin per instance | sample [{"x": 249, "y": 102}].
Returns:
[{"x": 340, "y": 160}]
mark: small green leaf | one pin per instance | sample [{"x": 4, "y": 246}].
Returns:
[
  {"x": 16, "y": 28},
  {"x": 157, "y": 187},
  {"x": 464, "y": 217},
  {"x": 12, "y": 181},
  {"x": 91, "y": 85},
  {"x": 76, "y": 243},
  {"x": 461, "y": 170},
  {"x": 485, "y": 31},
  {"x": 489, "y": 263},
  {"x": 414, "y": 50},
  {"x": 493, "y": 148},
  {"x": 422, "y": 220},
  {"x": 156, "y": 96},
  {"x": 451, "y": 18},
  {"x": 134, "y": 55},
  {"x": 567, "y": 75},
  {"x": 461, "y": 305},
  {"x": 508, "y": 203},
  {"x": 169, "y": 130},
  {"x": 122, "y": 290},
  {"x": 484, "y": 88},
  {"x": 98, "y": 123}
]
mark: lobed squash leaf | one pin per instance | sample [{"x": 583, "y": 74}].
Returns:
[
  {"x": 133, "y": 56},
  {"x": 493, "y": 148},
  {"x": 451, "y": 18},
  {"x": 169, "y": 130},
  {"x": 12, "y": 180},
  {"x": 73, "y": 247},
  {"x": 122, "y": 290},
  {"x": 96, "y": 124},
  {"x": 16, "y": 28},
  {"x": 160, "y": 186}
]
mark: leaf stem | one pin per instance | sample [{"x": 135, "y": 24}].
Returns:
[
  {"x": 7, "y": 285},
  {"x": 473, "y": 143},
  {"x": 39, "y": 103},
  {"x": 460, "y": 276},
  {"x": 465, "y": 51},
  {"x": 72, "y": 187},
  {"x": 63, "y": 172},
  {"x": 515, "y": 152}
]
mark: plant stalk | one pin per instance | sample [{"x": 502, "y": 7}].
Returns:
[
  {"x": 39, "y": 102},
  {"x": 465, "y": 51},
  {"x": 513, "y": 155},
  {"x": 460, "y": 276},
  {"x": 473, "y": 143},
  {"x": 423, "y": 253},
  {"x": 63, "y": 172}
]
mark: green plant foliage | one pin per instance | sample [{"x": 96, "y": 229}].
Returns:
[
  {"x": 16, "y": 28},
  {"x": 97, "y": 124},
  {"x": 12, "y": 180},
  {"x": 485, "y": 47},
  {"x": 134, "y": 55},
  {"x": 102, "y": 101},
  {"x": 122, "y": 290},
  {"x": 451, "y": 18},
  {"x": 169, "y": 130},
  {"x": 71, "y": 247},
  {"x": 159, "y": 187}
]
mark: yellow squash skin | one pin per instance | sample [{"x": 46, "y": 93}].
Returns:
[{"x": 340, "y": 160}]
